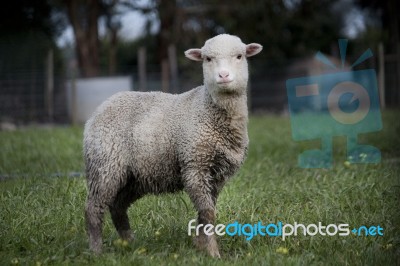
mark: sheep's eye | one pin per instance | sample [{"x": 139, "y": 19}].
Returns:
[
  {"x": 239, "y": 57},
  {"x": 208, "y": 59}
]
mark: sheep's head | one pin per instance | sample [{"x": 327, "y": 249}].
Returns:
[{"x": 224, "y": 63}]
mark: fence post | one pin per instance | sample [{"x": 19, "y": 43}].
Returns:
[
  {"x": 397, "y": 101},
  {"x": 32, "y": 111},
  {"x": 381, "y": 74},
  {"x": 49, "y": 95},
  {"x": 173, "y": 68},
  {"x": 249, "y": 102},
  {"x": 164, "y": 75},
  {"x": 142, "y": 68},
  {"x": 73, "y": 99}
]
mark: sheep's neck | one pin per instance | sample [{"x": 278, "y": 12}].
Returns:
[{"x": 235, "y": 106}]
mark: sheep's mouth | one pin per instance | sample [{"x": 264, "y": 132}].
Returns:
[{"x": 223, "y": 82}]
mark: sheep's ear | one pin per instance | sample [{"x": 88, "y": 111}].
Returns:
[
  {"x": 194, "y": 54},
  {"x": 253, "y": 49}
]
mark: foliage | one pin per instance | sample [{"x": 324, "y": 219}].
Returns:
[
  {"x": 388, "y": 23},
  {"x": 27, "y": 16},
  {"x": 287, "y": 29},
  {"x": 27, "y": 31},
  {"x": 127, "y": 54}
]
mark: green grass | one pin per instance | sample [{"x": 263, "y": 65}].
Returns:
[{"x": 41, "y": 216}]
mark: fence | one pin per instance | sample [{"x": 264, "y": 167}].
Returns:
[
  {"x": 392, "y": 80},
  {"x": 268, "y": 88},
  {"x": 38, "y": 95},
  {"x": 24, "y": 98}
]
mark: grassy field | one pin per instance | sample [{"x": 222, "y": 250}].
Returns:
[{"x": 42, "y": 202}]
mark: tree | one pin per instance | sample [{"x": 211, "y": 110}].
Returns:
[
  {"x": 386, "y": 12},
  {"x": 28, "y": 30},
  {"x": 113, "y": 26},
  {"x": 83, "y": 16}
]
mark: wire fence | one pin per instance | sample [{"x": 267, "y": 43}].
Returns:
[
  {"x": 24, "y": 95},
  {"x": 23, "y": 98}
]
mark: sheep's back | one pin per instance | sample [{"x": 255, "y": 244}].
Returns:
[
  {"x": 137, "y": 132},
  {"x": 131, "y": 129}
]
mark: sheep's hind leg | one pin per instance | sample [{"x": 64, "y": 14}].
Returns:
[
  {"x": 204, "y": 197},
  {"x": 94, "y": 214},
  {"x": 119, "y": 215}
]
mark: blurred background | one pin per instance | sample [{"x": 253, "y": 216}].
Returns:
[{"x": 59, "y": 59}]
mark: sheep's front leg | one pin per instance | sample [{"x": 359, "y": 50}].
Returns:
[
  {"x": 203, "y": 241},
  {"x": 203, "y": 194}
]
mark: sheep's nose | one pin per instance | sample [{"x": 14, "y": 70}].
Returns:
[{"x": 223, "y": 74}]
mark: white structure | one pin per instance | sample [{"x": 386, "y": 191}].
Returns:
[{"x": 90, "y": 93}]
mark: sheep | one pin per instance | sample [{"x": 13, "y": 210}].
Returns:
[{"x": 138, "y": 143}]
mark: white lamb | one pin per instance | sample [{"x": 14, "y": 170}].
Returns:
[{"x": 151, "y": 142}]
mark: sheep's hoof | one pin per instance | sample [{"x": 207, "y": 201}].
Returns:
[
  {"x": 214, "y": 253},
  {"x": 127, "y": 235},
  {"x": 96, "y": 250},
  {"x": 208, "y": 244},
  {"x": 95, "y": 245}
]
